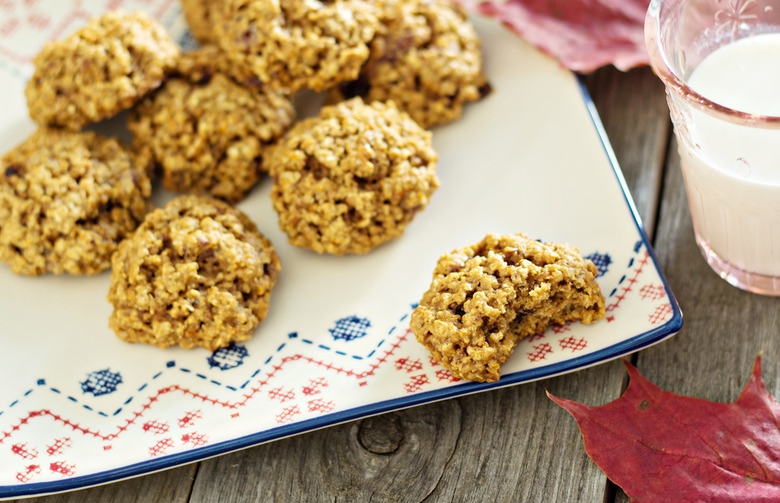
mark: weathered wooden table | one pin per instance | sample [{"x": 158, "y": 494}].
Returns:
[{"x": 514, "y": 444}]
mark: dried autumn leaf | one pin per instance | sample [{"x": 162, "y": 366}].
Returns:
[
  {"x": 583, "y": 35},
  {"x": 662, "y": 447}
]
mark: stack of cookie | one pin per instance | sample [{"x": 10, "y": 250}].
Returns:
[
  {"x": 196, "y": 272},
  {"x": 205, "y": 129},
  {"x": 210, "y": 122},
  {"x": 422, "y": 54},
  {"x": 67, "y": 198},
  {"x": 354, "y": 176}
]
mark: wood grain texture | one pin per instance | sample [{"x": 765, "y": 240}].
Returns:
[
  {"x": 517, "y": 445},
  {"x": 169, "y": 486},
  {"x": 632, "y": 106},
  {"x": 395, "y": 457}
]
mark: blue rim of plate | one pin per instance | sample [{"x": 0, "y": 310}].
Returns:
[{"x": 615, "y": 351}]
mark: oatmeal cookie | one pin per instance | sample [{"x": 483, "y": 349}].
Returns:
[
  {"x": 100, "y": 70},
  {"x": 66, "y": 200},
  {"x": 195, "y": 273},
  {"x": 351, "y": 178},
  {"x": 296, "y": 44},
  {"x": 486, "y": 297},
  {"x": 206, "y": 132},
  {"x": 198, "y": 14},
  {"x": 426, "y": 57}
]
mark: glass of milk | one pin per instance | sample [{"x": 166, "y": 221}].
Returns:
[{"x": 720, "y": 63}]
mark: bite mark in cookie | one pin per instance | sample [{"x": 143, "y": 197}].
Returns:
[{"x": 484, "y": 298}]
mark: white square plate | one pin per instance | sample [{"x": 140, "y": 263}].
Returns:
[{"x": 80, "y": 407}]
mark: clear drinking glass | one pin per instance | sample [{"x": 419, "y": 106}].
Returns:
[{"x": 730, "y": 154}]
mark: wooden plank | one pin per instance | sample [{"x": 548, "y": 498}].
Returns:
[
  {"x": 633, "y": 107},
  {"x": 170, "y": 486},
  {"x": 516, "y": 445},
  {"x": 393, "y": 457}
]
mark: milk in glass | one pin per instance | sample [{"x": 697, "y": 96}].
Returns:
[{"x": 732, "y": 172}]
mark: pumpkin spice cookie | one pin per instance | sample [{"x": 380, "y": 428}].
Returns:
[
  {"x": 484, "y": 298},
  {"x": 205, "y": 131},
  {"x": 297, "y": 44},
  {"x": 195, "y": 273},
  {"x": 100, "y": 70},
  {"x": 66, "y": 200},
  {"x": 351, "y": 178},
  {"x": 426, "y": 57}
]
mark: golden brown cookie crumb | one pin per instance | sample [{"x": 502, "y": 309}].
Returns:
[
  {"x": 66, "y": 200},
  {"x": 206, "y": 132},
  {"x": 198, "y": 15},
  {"x": 426, "y": 57},
  {"x": 297, "y": 44},
  {"x": 351, "y": 178},
  {"x": 486, "y": 297},
  {"x": 195, "y": 273},
  {"x": 100, "y": 70}
]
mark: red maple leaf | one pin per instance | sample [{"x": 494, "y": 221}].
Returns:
[
  {"x": 582, "y": 34},
  {"x": 662, "y": 447}
]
